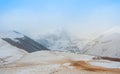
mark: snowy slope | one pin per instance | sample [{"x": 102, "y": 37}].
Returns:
[
  {"x": 107, "y": 44},
  {"x": 49, "y": 62},
  {"x": 21, "y": 41},
  {"x": 48, "y": 57},
  {"x": 9, "y": 53}
]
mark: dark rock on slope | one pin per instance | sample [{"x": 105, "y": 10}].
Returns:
[{"x": 23, "y": 42}]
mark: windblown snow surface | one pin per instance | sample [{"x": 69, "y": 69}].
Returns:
[{"x": 54, "y": 62}]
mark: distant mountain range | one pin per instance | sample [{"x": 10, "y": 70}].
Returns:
[{"x": 107, "y": 44}]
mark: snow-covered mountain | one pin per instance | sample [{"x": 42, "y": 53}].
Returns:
[
  {"x": 21, "y": 41},
  {"x": 107, "y": 44},
  {"x": 62, "y": 41}
]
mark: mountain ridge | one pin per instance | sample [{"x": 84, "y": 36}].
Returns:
[{"x": 22, "y": 41}]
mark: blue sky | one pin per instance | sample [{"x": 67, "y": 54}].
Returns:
[{"x": 81, "y": 17}]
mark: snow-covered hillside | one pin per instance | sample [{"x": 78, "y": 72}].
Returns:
[
  {"x": 49, "y": 62},
  {"x": 21, "y": 41},
  {"x": 107, "y": 44},
  {"x": 9, "y": 53}
]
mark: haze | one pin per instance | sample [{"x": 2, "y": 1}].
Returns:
[{"x": 79, "y": 17}]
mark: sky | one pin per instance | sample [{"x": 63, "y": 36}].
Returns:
[{"x": 78, "y": 17}]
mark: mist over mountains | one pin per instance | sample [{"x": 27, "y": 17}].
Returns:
[
  {"x": 62, "y": 41},
  {"x": 106, "y": 44}
]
